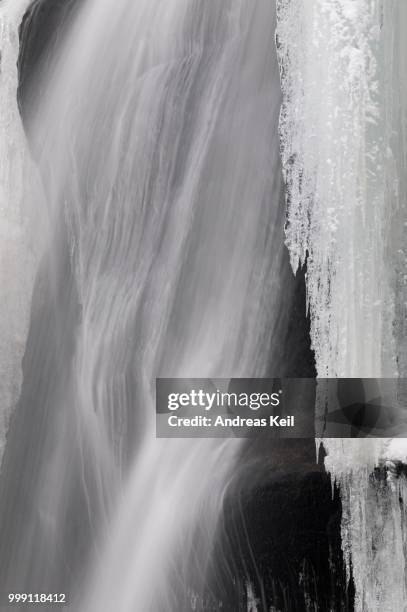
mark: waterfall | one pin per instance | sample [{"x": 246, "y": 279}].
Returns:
[
  {"x": 156, "y": 142},
  {"x": 142, "y": 235},
  {"x": 343, "y": 142},
  {"x": 17, "y": 250}
]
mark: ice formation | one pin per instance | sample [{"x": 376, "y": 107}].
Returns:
[
  {"x": 16, "y": 257},
  {"x": 342, "y": 150},
  {"x": 343, "y": 134}
]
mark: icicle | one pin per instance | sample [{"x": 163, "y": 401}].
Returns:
[
  {"x": 337, "y": 143},
  {"x": 343, "y": 133}
]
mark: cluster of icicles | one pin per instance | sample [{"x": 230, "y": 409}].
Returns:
[{"x": 343, "y": 143}]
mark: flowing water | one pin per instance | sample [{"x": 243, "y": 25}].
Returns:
[{"x": 157, "y": 145}]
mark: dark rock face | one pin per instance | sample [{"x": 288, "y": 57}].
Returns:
[
  {"x": 299, "y": 355},
  {"x": 42, "y": 28},
  {"x": 280, "y": 529},
  {"x": 287, "y": 537}
]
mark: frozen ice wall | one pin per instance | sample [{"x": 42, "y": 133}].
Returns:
[
  {"x": 16, "y": 259},
  {"x": 341, "y": 166},
  {"x": 373, "y": 527},
  {"x": 343, "y": 134}
]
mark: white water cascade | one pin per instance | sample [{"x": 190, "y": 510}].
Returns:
[
  {"x": 161, "y": 169},
  {"x": 343, "y": 139}
]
